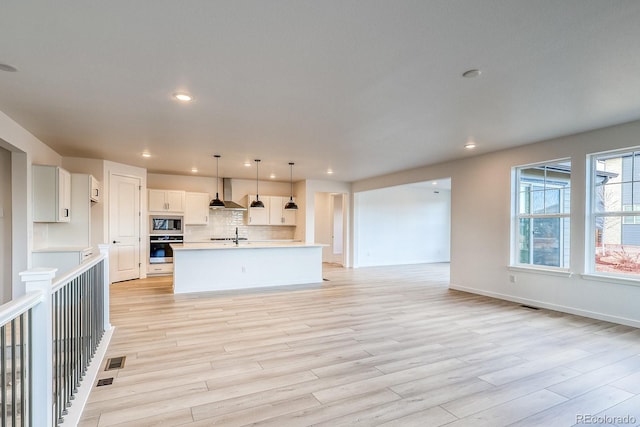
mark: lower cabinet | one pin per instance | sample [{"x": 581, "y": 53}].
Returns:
[
  {"x": 64, "y": 259},
  {"x": 159, "y": 269}
]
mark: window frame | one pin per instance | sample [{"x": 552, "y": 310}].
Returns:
[
  {"x": 591, "y": 215},
  {"x": 564, "y": 214}
]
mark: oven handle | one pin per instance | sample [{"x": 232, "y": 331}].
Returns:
[{"x": 165, "y": 241}]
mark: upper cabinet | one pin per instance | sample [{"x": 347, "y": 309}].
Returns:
[
  {"x": 257, "y": 216},
  {"x": 51, "y": 194},
  {"x": 166, "y": 201},
  {"x": 196, "y": 211},
  {"x": 273, "y": 212},
  {"x": 278, "y": 215},
  {"x": 80, "y": 231},
  {"x": 94, "y": 194}
]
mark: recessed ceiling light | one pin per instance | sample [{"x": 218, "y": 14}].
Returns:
[
  {"x": 272, "y": 176},
  {"x": 434, "y": 183},
  {"x": 470, "y": 145},
  {"x": 469, "y": 74},
  {"x": 8, "y": 68},
  {"x": 194, "y": 170},
  {"x": 247, "y": 164},
  {"x": 146, "y": 155},
  {"x": 182, "y": 96},
  {"x": 330, "y": 171}
]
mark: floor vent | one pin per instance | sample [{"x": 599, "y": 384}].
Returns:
[
  {"x": 115, "y": 363},
  {"x": 529, "y": 307},
  {"x": 105, "y": 381}
]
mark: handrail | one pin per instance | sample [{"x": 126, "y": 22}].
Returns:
[
  {"x": 18, "y": 306},
  {"x": 72, "y": 274},
  {"x": 67, "y": 319}
]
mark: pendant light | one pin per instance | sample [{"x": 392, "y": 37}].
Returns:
[
  {"x": 217, "y": 203},
  {"x": 257, "y": 203},
  {"x": 291, "y": 205}
]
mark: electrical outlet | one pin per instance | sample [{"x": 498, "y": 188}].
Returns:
[{"x": 512, "y": 278}]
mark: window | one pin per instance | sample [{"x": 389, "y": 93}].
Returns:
[
  {"x": 614, "y": 246},
  {"x": 541, "y": 227}
]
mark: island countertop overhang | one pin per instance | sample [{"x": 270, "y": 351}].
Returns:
[{"x": 198, "y": 246}]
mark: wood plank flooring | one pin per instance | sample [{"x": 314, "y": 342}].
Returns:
[{"x": 388, "y": 346}]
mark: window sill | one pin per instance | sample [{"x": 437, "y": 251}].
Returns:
[
  {"x": 541, "y": 270},
  {"x": 611, "y": 279}
]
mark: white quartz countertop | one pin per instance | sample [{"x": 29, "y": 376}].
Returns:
[
  {"x": 242, "y": 245},
  {"x": 63, "y": 249}
]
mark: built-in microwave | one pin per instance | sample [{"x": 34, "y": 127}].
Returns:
[{"x": 165, "y": 224}]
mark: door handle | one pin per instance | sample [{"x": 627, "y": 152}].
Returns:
[{"x": 115, "y": 241}]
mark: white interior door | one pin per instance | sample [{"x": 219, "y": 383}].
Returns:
[{"x": 124, "y": 227}]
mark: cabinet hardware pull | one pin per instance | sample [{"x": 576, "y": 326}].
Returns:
[
  {"x": 66, "y": 213},
  {"x": 116, "y": 241}
]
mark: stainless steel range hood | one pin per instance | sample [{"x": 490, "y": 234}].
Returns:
[{"x": 227, "y": 196}]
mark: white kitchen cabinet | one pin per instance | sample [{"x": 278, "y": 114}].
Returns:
[
  {"x": 196, "y": 210},
  {"x": 278, "y": 215},
  {"x": 51, "y": 194},
  {"x": 159, "y": 269},
  {"x": 257, "y": 216},
  {"x": 95, "y": 195},
  {"x": 273, "y": 212},
  {"x": 79, "y": 231},
  {"x": 166, "y": 201},
  {"x": 64, "y": 259}
]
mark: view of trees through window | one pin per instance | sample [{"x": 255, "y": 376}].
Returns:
[
  {"x": 543, "y": 214},
  {"x": 616, "y": 216}
]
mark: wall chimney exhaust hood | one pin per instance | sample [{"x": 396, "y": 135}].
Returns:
[{"x": 227, "y": 195}]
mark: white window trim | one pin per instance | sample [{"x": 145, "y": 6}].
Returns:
[
  {"x": 610, "y": 278},
  {"x": 550, "y": 271},
  {"x": 590, "y": 272},
  {"x": 516, "y": 216}
]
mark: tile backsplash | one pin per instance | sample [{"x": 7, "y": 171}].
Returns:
[{"x": 223, "y": 223}]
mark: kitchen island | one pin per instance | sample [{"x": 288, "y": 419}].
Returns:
[{"x": 203, "y": 267}]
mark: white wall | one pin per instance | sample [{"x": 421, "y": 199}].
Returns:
[
  {"x": 5, "y": 225},
  {"x": 480, "y": 226},
  {"x": 402, "y": 225},
  {"x": 322, "y": 226},
  {"x": 338, "y": 227},
  {"x": 25, "y": 150}
]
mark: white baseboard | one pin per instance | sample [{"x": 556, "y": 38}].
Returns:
[
  {"x": 82, "y": 396},
  {"x": 555, "y": 307}
]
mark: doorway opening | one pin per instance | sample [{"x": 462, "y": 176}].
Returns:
[{"x": 330, "y": 226}]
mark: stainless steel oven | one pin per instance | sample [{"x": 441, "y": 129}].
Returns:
[
  {"x": 160, "y": 251},
  {"x": 165, "y": 224}
]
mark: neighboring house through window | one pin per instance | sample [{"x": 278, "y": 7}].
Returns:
[
  {"x": 614, "y": 246},
  {"x": 542, "y": 207}
]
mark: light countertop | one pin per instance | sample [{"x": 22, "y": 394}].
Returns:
[
  {"x": 242, "y": 245},
  {"x": 63, "y": 249}
]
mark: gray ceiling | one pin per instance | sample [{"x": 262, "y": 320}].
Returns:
[{"x": 364, "y": 87}]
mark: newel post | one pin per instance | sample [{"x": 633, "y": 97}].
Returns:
[
  {"x": 41, "y": 279},
  {"x": 104, "y": 249}
]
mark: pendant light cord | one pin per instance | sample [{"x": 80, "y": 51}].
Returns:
[{"x": 257, "y": 179}]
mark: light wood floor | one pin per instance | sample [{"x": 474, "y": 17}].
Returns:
[{"x": 386, "y": 346}]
